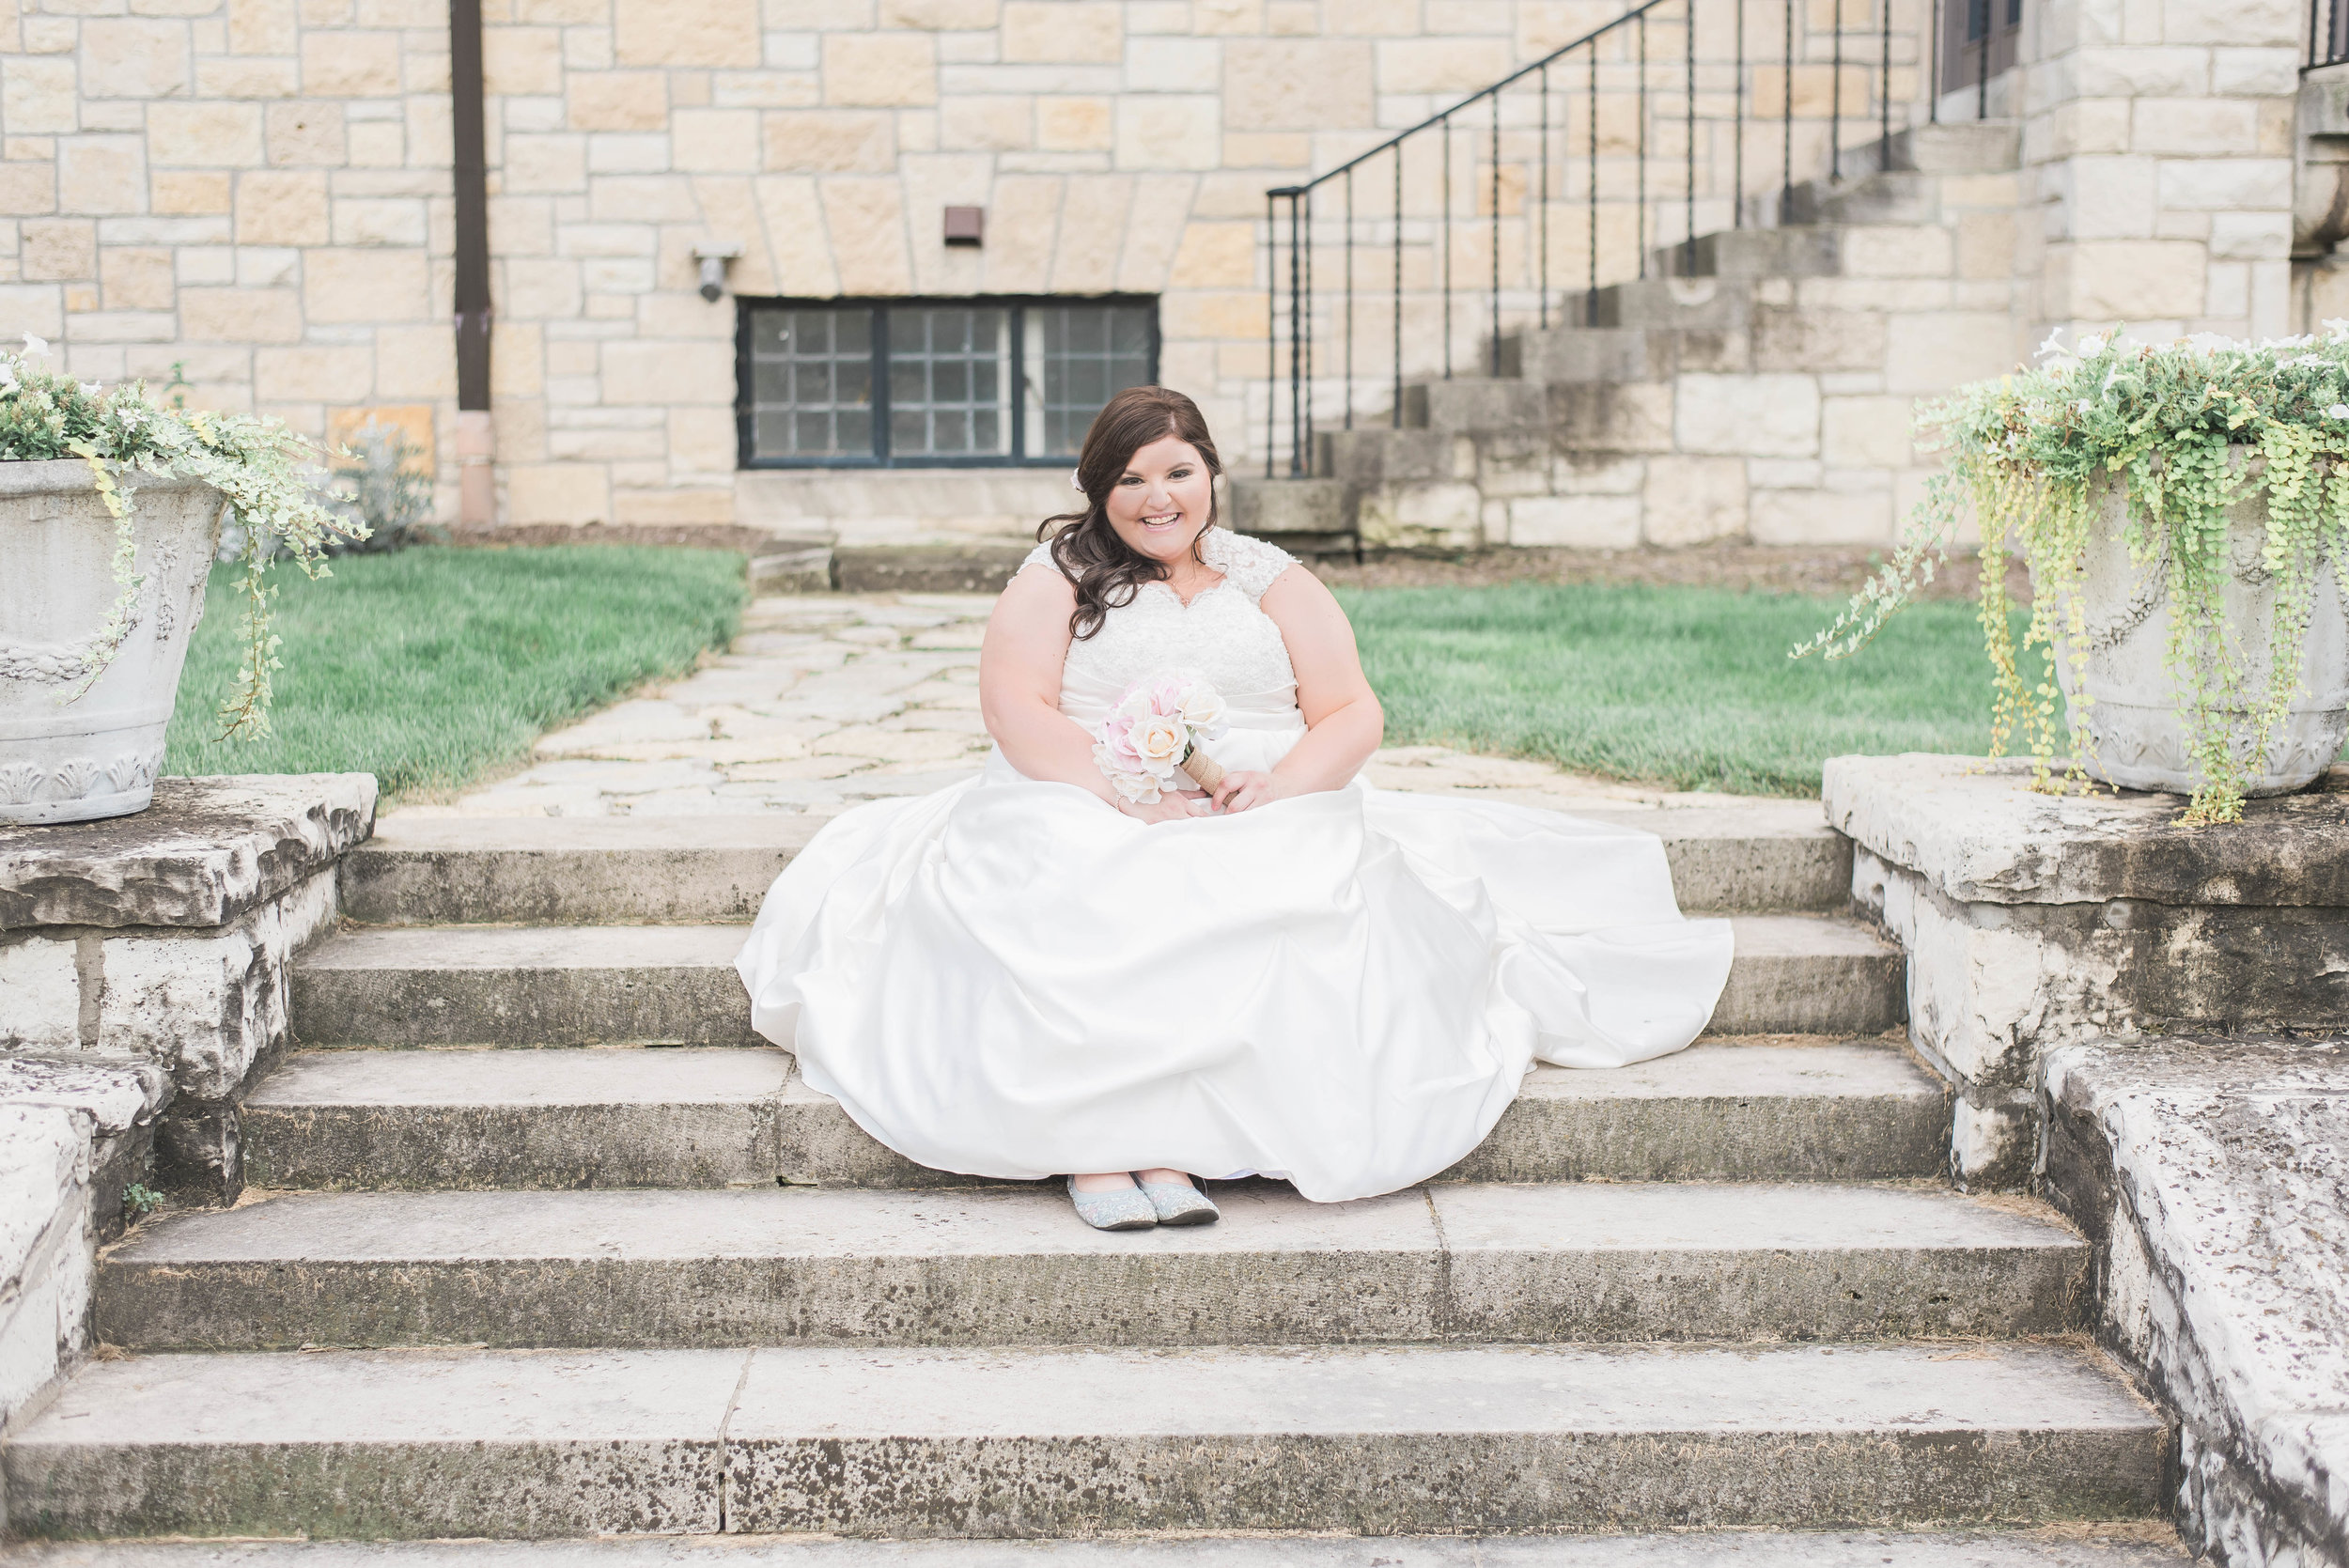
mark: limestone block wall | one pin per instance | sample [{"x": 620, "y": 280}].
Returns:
[
  {"x": 163, "y": 940},
  {"x": 2159, "y": 157},
  {"x": 257, "y": 193}
]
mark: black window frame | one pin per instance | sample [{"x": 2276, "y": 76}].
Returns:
[{"x": 879, "y": 305}]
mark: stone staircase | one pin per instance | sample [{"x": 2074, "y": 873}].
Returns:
[
  {"x": 541, "y": 1241},
  {"x": 1757, "y": 385}
]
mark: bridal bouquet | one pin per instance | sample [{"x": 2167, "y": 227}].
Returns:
[{"x": 1153, "y": 734}]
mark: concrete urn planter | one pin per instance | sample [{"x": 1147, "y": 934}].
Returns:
[
  {"x": 95, "y": 757},
  {"x": 2134, "y": 724}
]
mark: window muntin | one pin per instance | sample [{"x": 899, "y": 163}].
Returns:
[
  {"x": 914, "y": 382},
  {"x": 1087, "y": 354},
  {"x": 949, "y": 383},
  {"x": 812, "y": 382}
]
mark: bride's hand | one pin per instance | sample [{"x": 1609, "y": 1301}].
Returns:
[
  {"x": 1241, "y": 790},
  {"x": 1172, "y": 805}
]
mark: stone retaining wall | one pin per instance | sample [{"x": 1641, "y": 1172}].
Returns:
[
  {"x": 2034, "y": 921},
  {"x": 143, "y": 977},
  {"x": 2212, "y": 1176}
]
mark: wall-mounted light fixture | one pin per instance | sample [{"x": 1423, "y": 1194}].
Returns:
[
  {"x": 713, "y": 257},
  {"x": 966, "y": 225}
]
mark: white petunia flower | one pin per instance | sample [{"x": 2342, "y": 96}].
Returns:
[
  {"x": 35, "y": 345},
  {"x": 2084, "y": 404},
  {"x": 2091, "y": 347},
  {"x": 89, "y": 389},
  {"x": 2054, "y": 344},
  {"x": 2339, "y": 410}
]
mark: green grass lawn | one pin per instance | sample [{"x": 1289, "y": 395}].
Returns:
[
  {"x": 430, "y": 667},
  {"x": 1689, "y": 687}
]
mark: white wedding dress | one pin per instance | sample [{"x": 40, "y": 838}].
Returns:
[{"x": 1012, "y": 979}]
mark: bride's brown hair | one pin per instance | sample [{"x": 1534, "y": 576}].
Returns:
[{"x": 1105, "y": 570}]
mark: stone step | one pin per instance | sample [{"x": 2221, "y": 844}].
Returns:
[
  {"x": 589, "y": 984},
  {"x": 1753, "y": 253},
  {"x": 570, "y": 870},
  {"x": 665, "y": 1117},
  {"x": 1888, "y": 196},
  {"x": 1554, "y": 1263},
  {"x": 1476, "y": 403},
  {"x": 1572, "y": 352},
  {"x": 1755, "y": 855},
  {"x": 1712, "y": 303},
  {"x": 1977, "y": 147},
  {"x": 1055, "y": 1442},
  {"x": 2108, "y": 1544},
  {"x": 421, "y": 1120},
  {"x": 531, "y": 985}
]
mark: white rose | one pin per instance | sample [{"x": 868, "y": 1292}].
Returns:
[
  {"x": 1203, "y": 710},
  {"x": 1139, "y": 789},
  {"x": 1159, "y": 742}
]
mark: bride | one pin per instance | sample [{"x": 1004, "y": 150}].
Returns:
[{"x": 1028, "y": 974}]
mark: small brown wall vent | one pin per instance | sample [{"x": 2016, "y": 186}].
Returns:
[{"x": 965, "y": 226}]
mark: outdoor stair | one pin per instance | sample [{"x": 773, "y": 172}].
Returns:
[
  {"x": 360, "y": 1120},
  {"x": 1551, "y": 1262},
  {"x": 541, "y": 1241},
  {"x": 675, "y": 984},
  {"x": 1012, "y": 1443},
  {"x": 1809, "y": 294}
]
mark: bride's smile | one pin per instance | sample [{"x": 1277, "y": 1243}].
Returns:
[{"x": 1161, "y": 503}]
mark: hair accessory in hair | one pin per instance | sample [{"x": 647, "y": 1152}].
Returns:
[{"x": 1076, "y": 484}]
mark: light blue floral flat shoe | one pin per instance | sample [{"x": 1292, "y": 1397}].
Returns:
[
  {"x": 1126, "y": 1210},
  {"x": 1180, "y": 1202}
]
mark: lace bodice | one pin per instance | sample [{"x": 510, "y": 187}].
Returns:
[{"x": 1222, "y": 633}]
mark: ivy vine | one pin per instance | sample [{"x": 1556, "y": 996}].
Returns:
[
  {"x": 2185, "y": 433},
  {"x": 268, "y": 475}
]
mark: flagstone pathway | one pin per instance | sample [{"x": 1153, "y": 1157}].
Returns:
[{"x": 828, "y": 701}]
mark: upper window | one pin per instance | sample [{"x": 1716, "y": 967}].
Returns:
[{"x": 946, "y": 383}]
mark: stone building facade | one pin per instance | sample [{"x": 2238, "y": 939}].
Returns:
[{"x": 255, "y": 196}]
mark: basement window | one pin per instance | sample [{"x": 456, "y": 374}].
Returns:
[{"x": 939, "y": 383}]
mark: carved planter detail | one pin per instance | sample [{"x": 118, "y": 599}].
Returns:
[
  {"x": 2140, "y": 738},
  {"x": 69, "y": 759}
]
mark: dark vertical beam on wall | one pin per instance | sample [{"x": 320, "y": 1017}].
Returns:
[
  {"x": 472, "y": 206},
  {"x": 477, "y": 435}
]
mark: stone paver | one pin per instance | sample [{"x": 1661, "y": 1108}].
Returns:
[{"x": 824, "y": 703}]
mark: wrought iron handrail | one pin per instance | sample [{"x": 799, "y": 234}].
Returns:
[{"x": 1617, "y": 53}]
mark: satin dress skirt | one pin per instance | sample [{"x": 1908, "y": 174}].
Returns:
[{"x": 1011, "y": 979}]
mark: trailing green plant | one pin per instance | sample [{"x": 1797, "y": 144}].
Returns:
[
  {"x": 266, "y": 472},
  {"x": 140, "y": 1199},
  {"x": 2185, "y": 431}
]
